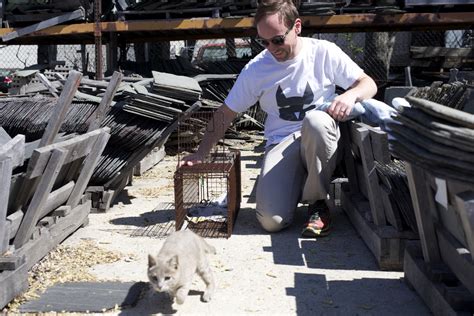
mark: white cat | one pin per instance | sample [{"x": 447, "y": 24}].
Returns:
[{"x": 183, "y": 254}]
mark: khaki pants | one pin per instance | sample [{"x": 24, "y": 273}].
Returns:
[{"x": 299, "y": 168}]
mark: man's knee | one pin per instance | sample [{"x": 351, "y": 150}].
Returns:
[
  {"x": 272, "y": 223},
  {"x": 319, "y": 128},
  {"x": 319, "y": 122}
]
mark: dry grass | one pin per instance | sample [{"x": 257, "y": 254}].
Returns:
[{"x": 63, "y": 264}]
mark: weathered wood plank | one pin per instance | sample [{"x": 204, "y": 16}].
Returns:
[
  {"x": 14, "y": 149},
  {"x": 13, "y": 284},
  {"x": 361, "y": 179},
  {"x": 431, "y": 51},
  {"x": 13, "y": 223},
  {"x": 77, "y": 14},
  {"x": 31, "y": 146},
  {"x": 422, "y": 203},
  {"x": 387, "y": 247},
  {"x": 370, "y": 173},
  {"x": 379, "y": 141},
  {"x": 104, "y": 105},
  {"x": 457, "y": 258},
  {"x": 348, "y": 158},
  {"x": 4, "y": 137},
  {"x": 62, "y": 211},
  {"x": 6, "y": 167},
  {"x": 40, "y": 197},
  {"x": 88, "y": 168},
  {"x": 465, "y": 205},
  {"x": 61, "y": 108},
  {"x": 11, "y": 262},
  {"x": 76, "y": 147},
  {"x": 57, "y": 198},
  {"x": 433, "y": 292},
  {"x": 47, "y": 84},
  {"x": 39, "y": 247}
]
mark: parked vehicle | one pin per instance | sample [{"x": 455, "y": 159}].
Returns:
[
  {"x": 218, "y": 52},
  {"x": 5, "y": 82}
]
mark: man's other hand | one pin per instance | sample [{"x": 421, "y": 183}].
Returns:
[
  {"x": 191, "y": 160},
  {"x": 342, "y": 106}
]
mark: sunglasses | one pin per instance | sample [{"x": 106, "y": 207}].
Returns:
[{"x": 275, "y": 40}]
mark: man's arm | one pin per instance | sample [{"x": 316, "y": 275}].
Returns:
[
  {"x": 363, "y": 88},
  {"x": 215, "y": 130}
]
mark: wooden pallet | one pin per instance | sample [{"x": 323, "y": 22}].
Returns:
[
  {"x": 437, "y": 285},
  {"x": 444, "y": 212},
  {"x": 385, "y": 242},
  {"x": 49, "y": 202},
  {"x": 366, "y": 198}
]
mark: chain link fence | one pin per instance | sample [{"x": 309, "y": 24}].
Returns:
[{"x": 382, "y": 55}]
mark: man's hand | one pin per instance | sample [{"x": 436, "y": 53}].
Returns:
[
  {"x": 191, "y": 160},
  {"x": 342, "y": 106}
]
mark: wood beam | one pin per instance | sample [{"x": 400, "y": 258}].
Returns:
[{"x": 213, "y": 27}]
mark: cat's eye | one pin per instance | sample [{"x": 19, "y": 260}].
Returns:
[
  {"x": 167, "y": 278},
  {"x": 154, "y": 278}
]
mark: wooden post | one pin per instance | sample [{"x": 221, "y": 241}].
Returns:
[
  {"x": 422, "y": 203},
  {"x": 112, "y": 53},
  {"x": 372, "y": 180},
  {"x": 5, "y": 177},
  {"x": 465, "y": 205}
]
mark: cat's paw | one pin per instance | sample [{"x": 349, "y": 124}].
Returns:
[{"x": 206, "y": 297}]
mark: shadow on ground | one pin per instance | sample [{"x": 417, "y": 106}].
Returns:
[{"x": 314, "y": 294}]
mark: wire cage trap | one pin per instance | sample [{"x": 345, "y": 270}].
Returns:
[{"x": 208, "y": 194}]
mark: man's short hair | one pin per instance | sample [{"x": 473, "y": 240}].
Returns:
[{"x": 286, "y": 9}]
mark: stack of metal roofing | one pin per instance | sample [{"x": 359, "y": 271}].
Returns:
[
  {"x": 29, "y": 116},
  {"x": 173, "y": 95},
  {"x": 216, "y": 87},
  {"x": 435, "y": 137},
  {"x": 178, "y": 87},
  {"x": 154, "y": 106},
  {"x": 455, "y": 94},
  {"x": 129, "y": 133},
  {"x": 394, "y": 178}
]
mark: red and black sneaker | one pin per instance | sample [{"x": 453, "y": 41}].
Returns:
[{"x": 319, "y": 222}]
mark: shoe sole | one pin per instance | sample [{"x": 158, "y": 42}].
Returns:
[{"x": 312, "y": 233}]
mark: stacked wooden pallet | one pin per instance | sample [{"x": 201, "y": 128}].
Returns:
[
  {"x": 368, "y": 199},
  {"x": 436, "y": 141},
  {"x": 42, "y": 205}
]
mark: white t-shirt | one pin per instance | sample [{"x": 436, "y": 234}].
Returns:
[{"x": 287, "y": 90}]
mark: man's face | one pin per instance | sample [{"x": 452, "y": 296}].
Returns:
[{"x": 271, "y": 29}]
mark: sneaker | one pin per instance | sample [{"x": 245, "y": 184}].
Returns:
[{"x": 319, "y": 222}]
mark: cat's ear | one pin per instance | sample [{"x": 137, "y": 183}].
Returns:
[
  {"x": 173, "y": 262},
  {"x": 151, "y": 261}
]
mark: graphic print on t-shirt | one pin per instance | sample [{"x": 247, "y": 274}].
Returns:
[{"x": 294, "y": 108}]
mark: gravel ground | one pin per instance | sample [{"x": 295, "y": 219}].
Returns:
[{"x": 256, "y": 272}]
